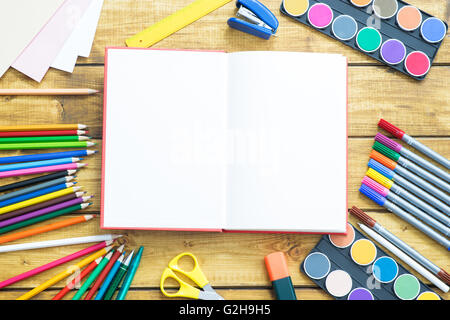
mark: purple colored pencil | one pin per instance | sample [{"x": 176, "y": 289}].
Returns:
[{"x": 41, "y": 212}]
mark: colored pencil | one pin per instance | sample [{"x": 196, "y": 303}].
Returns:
[
  {"x": 57, "y": 243},
  {"x": 398, "y": 148},
  {"x": 43, "y": 127},
  {"x": 371, "y": 223},
  {"x": 405, "y": 163},
  {"x": 130, "y": 275},
  {"x": 405, "y": 258},
  {"x": 118, "y": 277},
  {"x": 43, "y": 198},
  {"x": 92, "y": 277},
  {"x": 43, "y": 133},
  {"x": 45, "y": 228},
  {"x": 109, "y": 278},
  {"x": 77, "y": 279},
  {"x": 41, "y": 212},
  {"x": 382, "y": 201},
  {"x": 32, "y": 181},
  {"x": 64, "y": 274},
  {"x": 55, "y": 263},
  {"x": 46, "y": 145},
  {"x": 104, "y": 273},
  {"x": 59, "y": 167},
  {"x": 36, "y": 187},
  {"x": 47, "y": 92},
  {"x": 400, "y": 134},
  {"x": 41, "y": 205},
  {"x": 37, "y": 164},
  {"x": 47, "y": 156},
  {"x": 36, "y": 193},
  {"x": 43, "y": 139}
]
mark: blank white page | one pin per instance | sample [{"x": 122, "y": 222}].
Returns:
[
  {"x": 287, "y": 118},
  {"x": 164, "y": 142}
]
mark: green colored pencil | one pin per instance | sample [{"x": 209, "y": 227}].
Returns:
[
  {"x": 44, "y": 217},
  {"x": 43, "y": 139},
  {"x": 118, "y": 277},
  {"x": 46, "y": 145}
]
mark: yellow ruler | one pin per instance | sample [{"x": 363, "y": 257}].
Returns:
[{"x": 174, "y": 22}]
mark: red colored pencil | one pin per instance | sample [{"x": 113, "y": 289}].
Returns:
[
  {"x": 104, "y": 273},
  {"x": 43, "y": 133},
  {"x": 77, "y": 279}
]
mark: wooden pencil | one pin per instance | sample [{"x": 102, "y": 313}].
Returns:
[
  {"x": 48, "y": 92},
  {"x": 43, "y": 127},
  {"x": 46, "y": 145},
  {"x": 44, "y": 133}
]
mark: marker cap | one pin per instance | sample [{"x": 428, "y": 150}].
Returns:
[
  {"x": 391, "y": 129},
  {"x": 375, "y": 186},
  {"x": 372, "y": 195},
  {"x": 388, "y": 142},
  {"x": 386, "y": 151},
  {"x": 276, "y": 265},
  {"x": 381, "y": 169},
  {"x": 378, "y": 177},
  {"x": 385, "y": 161}
]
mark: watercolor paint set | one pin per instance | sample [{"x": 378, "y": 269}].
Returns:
[
  {"x": 390, "y": 31},
  {"x": 352, "y": 267}
]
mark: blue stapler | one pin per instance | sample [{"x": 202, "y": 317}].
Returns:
[{"x": 256, "y": 19}]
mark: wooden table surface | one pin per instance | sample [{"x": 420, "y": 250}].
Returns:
[{"x": 232, "y": 262}]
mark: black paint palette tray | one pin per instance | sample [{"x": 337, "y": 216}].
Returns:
[
  {"x": 352, "y": 267},
  {"x": 393, "y": 32}
]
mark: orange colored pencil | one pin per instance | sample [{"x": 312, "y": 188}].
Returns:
[
  {"x": 43, "y": 127},
  {"x": 45, "y": 228}
]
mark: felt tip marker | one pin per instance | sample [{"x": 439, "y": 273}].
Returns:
[
  {"x": 405, "y": 163},
  {"x": 420, "y": 182},
  {"x": 382, "y": 201},
  {"x": 277, "y": 268},
  {"x": 397, "y": 147},
  {"x": 408, "y": 206},
  {"x": 371, "y": 223},
  {"x": 400, "y": 134}
]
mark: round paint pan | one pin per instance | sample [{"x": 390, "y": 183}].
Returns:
[
  {"x": 338, "y": 283},
  {"x": 317, "y": 265},
  {"x": 385, "y": 9},
  {"x": 344, "y": 27},
  {"x": 406, "y": 287},
  {"x": 428, "y": 295},
  {"x": 417, "y": 63},
  {"x": 393, "y": 51},
  {"x": 296, "y": 8},
  {"x": 361, "y": 3},
  {"x": 343, "y": 240},
  {"x": 320, "y": 15},
  {"x": 360, "y": 294},
  {"x": 368, "y": 39},
  {"x": 363, "y": 252},
  {"x": 433, "y": 30},
  {"x": 385, "y": 269},
  {"x": 409, "y": 18}
]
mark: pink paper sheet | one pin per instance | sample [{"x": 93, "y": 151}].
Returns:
[{"x": 37, "y": 57}]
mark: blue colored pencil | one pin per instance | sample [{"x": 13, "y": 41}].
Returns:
[
  {"x": 105, "y": 285},
  {"x": 36, "y": 164},
  {"x": 47, "y": 156},
  {"x": 35, "y": 194}
]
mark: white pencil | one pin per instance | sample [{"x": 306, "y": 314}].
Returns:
[
  {"x": 405, "y": 258},
  {"x": 58, "y": 242}
]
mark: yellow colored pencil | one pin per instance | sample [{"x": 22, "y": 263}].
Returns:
[
  {"x": 45, "y": 197},
  {"x": 43, "y": 127},
  {"x": 64, "y": 274}
]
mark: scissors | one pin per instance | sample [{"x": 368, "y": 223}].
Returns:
[{"x": 196, "y": 275}]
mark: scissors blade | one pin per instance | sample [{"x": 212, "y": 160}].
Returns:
[{"x": 208, "y": 295}]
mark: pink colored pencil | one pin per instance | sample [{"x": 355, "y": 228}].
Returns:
[
  {"x": 59, "y": 167},
  {"x": 55, "y": 263}
]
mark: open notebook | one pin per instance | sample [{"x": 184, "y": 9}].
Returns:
[{"x": 215, "y": 141}]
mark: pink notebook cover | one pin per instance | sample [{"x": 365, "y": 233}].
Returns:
[{"x": 188, "y": 229}]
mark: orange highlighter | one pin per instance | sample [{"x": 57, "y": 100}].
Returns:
[{"x": 277, "y": 268}]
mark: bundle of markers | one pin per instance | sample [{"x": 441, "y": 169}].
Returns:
[{"x": 408, "y": 185}]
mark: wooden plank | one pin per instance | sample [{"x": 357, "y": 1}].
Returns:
[
  {"x": 237, "y": 259},
  {"x": 419, "y": 108},
  {"x": 120, "y": 20}
]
